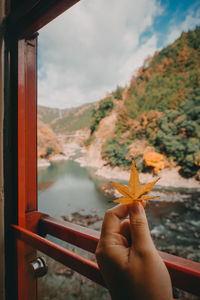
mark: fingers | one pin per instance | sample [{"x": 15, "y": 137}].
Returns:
[
  {"x": 140, "y": 234},
  {"x": 125, "y": 227},
  {"x": 144, "y": 203},
  {"x": 125, "y": 231},
  {"x": 111, "y": 222}
]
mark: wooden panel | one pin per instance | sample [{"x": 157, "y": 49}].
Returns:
[
  {"x": 10, "y": 166},
  {"x": 27, "y": 128},
  {"x": 76, "y": 262},
  {"x": 82, "y": 237},
  {"x": 28, "y": 18},
  {"x": 33, "y": 221},
  {"x": 185, "y": 274},
  {"x": 27, "y": 159}
]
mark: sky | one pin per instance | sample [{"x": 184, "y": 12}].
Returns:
[{"x": 98, "y": 45}]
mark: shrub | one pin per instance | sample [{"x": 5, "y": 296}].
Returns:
[
  {"x": 117, "y": 94},
  {"x": 89, "y": 140},
  {"x": 179, "y": 133},
  {"x": 115, "y": 153},
  {"x": 103, "y": 110},
  {"x": 50, "y": 150}
]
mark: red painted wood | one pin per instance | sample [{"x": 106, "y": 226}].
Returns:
[
  {"x": 76, "y": 262},
  {"x": 25, "y": 22},
  {"x": 28, "y": 18},
  {"x": 21, "y": 9},
  {"x": 21, "y": 134},
  {"x": 33, "y": 221},
  {"x": 27, "y": 128},
  {"x": 82, "y": 237},
  {"x": 185, "y": 274},
  {"x": 27, "y": 163}
]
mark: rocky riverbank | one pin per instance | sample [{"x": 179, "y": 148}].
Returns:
[
  {"x": 169, "y": 177},
  {"x": 69, "y": 150}
]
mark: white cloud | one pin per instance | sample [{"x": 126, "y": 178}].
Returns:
[
  {"x": 137, "y": 59},
  {"x": 91, "y": 48},
  {"x": 94, "y": 46},
  {"x": 190, "y": 22}
]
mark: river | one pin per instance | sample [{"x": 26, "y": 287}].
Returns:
[{"x": 66, "y": 187}]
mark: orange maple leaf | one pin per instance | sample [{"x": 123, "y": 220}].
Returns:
[{"x": 135, "y": 191}]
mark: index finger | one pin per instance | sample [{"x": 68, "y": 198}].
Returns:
[{"x": 111, "y": 222}]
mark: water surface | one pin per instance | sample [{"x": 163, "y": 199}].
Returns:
[{"x": 66, "y": 187}]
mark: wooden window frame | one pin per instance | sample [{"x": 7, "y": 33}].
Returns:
[{"x": 32, "y": 226}]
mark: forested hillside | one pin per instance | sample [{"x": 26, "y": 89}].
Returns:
[
  {"x": 67, "y": 120},
  {"x": 161, "y": 107},
  {"x": 159, "y": 110}
]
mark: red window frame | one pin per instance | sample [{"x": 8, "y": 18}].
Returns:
[{"x": 32, "y": 225}]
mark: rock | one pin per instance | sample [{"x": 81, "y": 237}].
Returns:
[
  {"x": 94, "y": 210},
  {"x": 180, "y": 229},
  {"x": 174, "y": 214},
  {"x": 196, "y": 235},
  {"x": 107, "y": 190},
  {"x": 188, "y": 252},
  {"x": 83, "y": 220},
  {"x": 81, "y": 209},
  {"x": 173, "y": 227},
  {"x": 64, "y": 272},
  {"x": 197, "y": 176}
]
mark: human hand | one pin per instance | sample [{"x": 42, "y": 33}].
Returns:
[{"x": 128, "y": 259}]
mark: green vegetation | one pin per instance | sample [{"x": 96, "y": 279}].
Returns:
[
  {"x": 67, "y": 120},
  {"x": 167, "y": 85},
  {"x": 50, "y": 150},
  {"x": 160, "y": 107},
  {"x": 105, "y": 106},
  {"x": 73, "y": 121},
  {"x": 193, "y": 38},
  {"x": 117, "y": 94},
  {"x": 179, "y": 133},
  {"x": 47, "y": 115},
  {"x": 115, "y": 153},
  {"x": 165, "y": 79},
  {"x": 89, "y": 140}
]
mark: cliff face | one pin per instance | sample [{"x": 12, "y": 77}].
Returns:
[{"x": 48, "y": 143}]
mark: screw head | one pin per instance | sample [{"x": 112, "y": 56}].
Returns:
[{"x": 39, "y": 267}]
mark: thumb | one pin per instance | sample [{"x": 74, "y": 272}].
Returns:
[{"x": 140, "y": 234}]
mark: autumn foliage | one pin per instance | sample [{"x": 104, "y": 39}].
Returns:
[
  {"x": 162, "y": 108},
  {"x": 135, "y": 191}
]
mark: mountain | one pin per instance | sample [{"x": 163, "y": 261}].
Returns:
[
  {"x": 67, "y": 120},
  {"x": 159, "y": 110}
]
